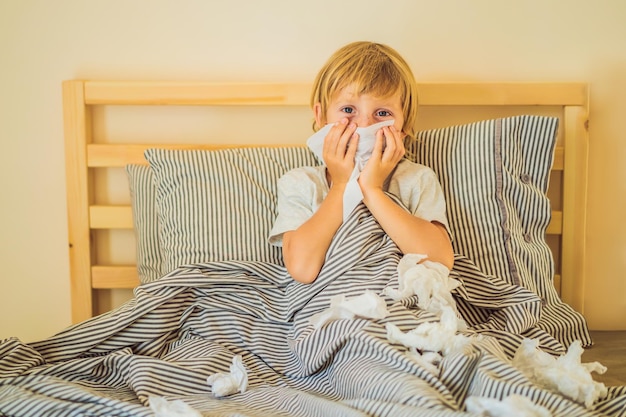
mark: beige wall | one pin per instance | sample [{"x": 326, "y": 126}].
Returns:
[{"x": 45, "y": 42}]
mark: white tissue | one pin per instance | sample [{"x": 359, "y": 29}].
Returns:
[
  {"x": 565, "y": 374},
  {"x": 430, "y": 281},
  {"x": 223, "y": 385},
  {"x": 367, "y": 305},
  {"x": 432, "y": 284},
  {"x": 177, "y": 408},
  {"x": 367, "y": 139},
  {"x": 511, "y": 406},
  {"x": 439, "y": 336},
  {"x": 427, "y": 360}
]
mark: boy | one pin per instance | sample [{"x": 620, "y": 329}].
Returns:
[{"x": 363, "y": 83}]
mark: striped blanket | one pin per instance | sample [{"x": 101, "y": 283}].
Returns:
[{"x": 187, "y": 326}]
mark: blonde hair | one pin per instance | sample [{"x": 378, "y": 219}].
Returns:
[{"x": 372, "y": 68}]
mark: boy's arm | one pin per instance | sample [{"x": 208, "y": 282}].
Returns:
[{"x": 304, "y": 249}]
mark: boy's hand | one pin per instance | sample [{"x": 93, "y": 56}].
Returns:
[
  {"x": 388, "y": 151},
  {"x": 339, "y": 151}
]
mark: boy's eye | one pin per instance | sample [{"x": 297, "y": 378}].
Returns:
[
  {"x": 383, "y": 113},
  {"x": 348, "y": 110}
]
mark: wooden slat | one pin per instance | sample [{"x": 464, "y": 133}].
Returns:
[
  {"x": 110, "y": 217},
  {"x": 509, "y": 94},
  {"x": 556, "y": 223},
  {"x": 100, "y": 156},
  {"x": 119, "y": 155},
  {"x": 187, "y": 93},
  {"x": 109, "y": 277},
  {"x": 77, "y": 136},
  {"x": 575, "y": 199},
  {"x": 557, "y": 164},
  {"x": 430, "y": 94}
]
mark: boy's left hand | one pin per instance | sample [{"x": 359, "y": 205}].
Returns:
[{"x": 388, "y": 151}]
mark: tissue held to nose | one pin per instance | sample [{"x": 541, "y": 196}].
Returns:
[{"x": 367, "y": 139}]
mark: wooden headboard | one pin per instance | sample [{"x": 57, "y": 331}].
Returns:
[{"x": 88, "y": 150}]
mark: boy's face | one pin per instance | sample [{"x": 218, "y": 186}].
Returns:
[{"x": 363, "y": 110}]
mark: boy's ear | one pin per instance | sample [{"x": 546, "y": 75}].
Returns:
[{"x": 317, "y": 112}]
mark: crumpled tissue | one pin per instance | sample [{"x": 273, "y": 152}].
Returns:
[
  {"x": 511, "y": 406},
  {"x": 223, "y": 385},
  {"x": 439, "y": 336},
  {"x": 432, "y": 284},
  {"x": 429, "y": 280},
  {"x": 367, "y": 305},
  {"x": 564, "y": 374},
  {"x": 177, "y": 408},
  {"x": 352, "y": 195}
]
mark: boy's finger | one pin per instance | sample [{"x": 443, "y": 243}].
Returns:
[
  {"x": 353, "y": 144},
  {"x": 346, "y": 138},
  {"x": 380, "y": 145},
  {"x": 331, "y": 142}
]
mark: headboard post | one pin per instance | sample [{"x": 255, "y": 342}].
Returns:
[
  {"x": 77, "y": 135},
  {"x": 574, "y": 198}
]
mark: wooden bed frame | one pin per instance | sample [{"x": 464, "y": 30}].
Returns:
[{"x": 84, "y": 156}]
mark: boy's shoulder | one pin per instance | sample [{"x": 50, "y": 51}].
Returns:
[
  {"x": 307, "y": 171},
  {"x": 409, "y": 168},
  {"x": 303, "y": 175}
]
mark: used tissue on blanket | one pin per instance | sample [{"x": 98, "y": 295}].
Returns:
[
  {"x": 367, "y": 139},
  {"x": 367, "y": 305},
  {"x": 565, "y": 374},
  {"x": 177, "y": 408},
  {"x": 439, "y": 336},
  {"x": 223, "y": 385},
  {"x": 431, "y": 282},
  {"x": 511, "y": 406}
]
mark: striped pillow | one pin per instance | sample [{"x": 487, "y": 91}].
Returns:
[
  {"x": 495, "y": 176},
  {"x": 219, "y": 205},
  {"x": 146, "y": 222}
]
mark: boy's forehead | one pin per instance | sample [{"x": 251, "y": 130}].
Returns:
[{"x": 350, "y": 92}]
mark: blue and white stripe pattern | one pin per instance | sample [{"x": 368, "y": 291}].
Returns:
[
  {"x": 145, "y": 222},
  {"x": 495, "y": 175},
  {"x": 219, "y": 205},
  {"x": 188, "y": 325}
]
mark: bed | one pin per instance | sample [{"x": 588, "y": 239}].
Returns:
[
  {"x": 441, "y": 105},
  {"x": 215, "y": 326}
]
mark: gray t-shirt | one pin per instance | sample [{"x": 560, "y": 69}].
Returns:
[{"x": 302, "y": 190}]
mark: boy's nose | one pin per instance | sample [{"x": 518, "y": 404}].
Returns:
[{"x": 364, "y": 121}]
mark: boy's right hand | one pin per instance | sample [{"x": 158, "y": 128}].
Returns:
[{"x": 339, "y": 151}]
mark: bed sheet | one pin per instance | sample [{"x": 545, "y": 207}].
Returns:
[{"x": 189, "y": 325}]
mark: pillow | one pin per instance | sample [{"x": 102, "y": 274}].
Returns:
[
  {"x": 468, "y": 160},
  {"x": 495, "y": 176},
  {"x": 219, "y": 205},
  {"x": 146, "y": 222}
]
